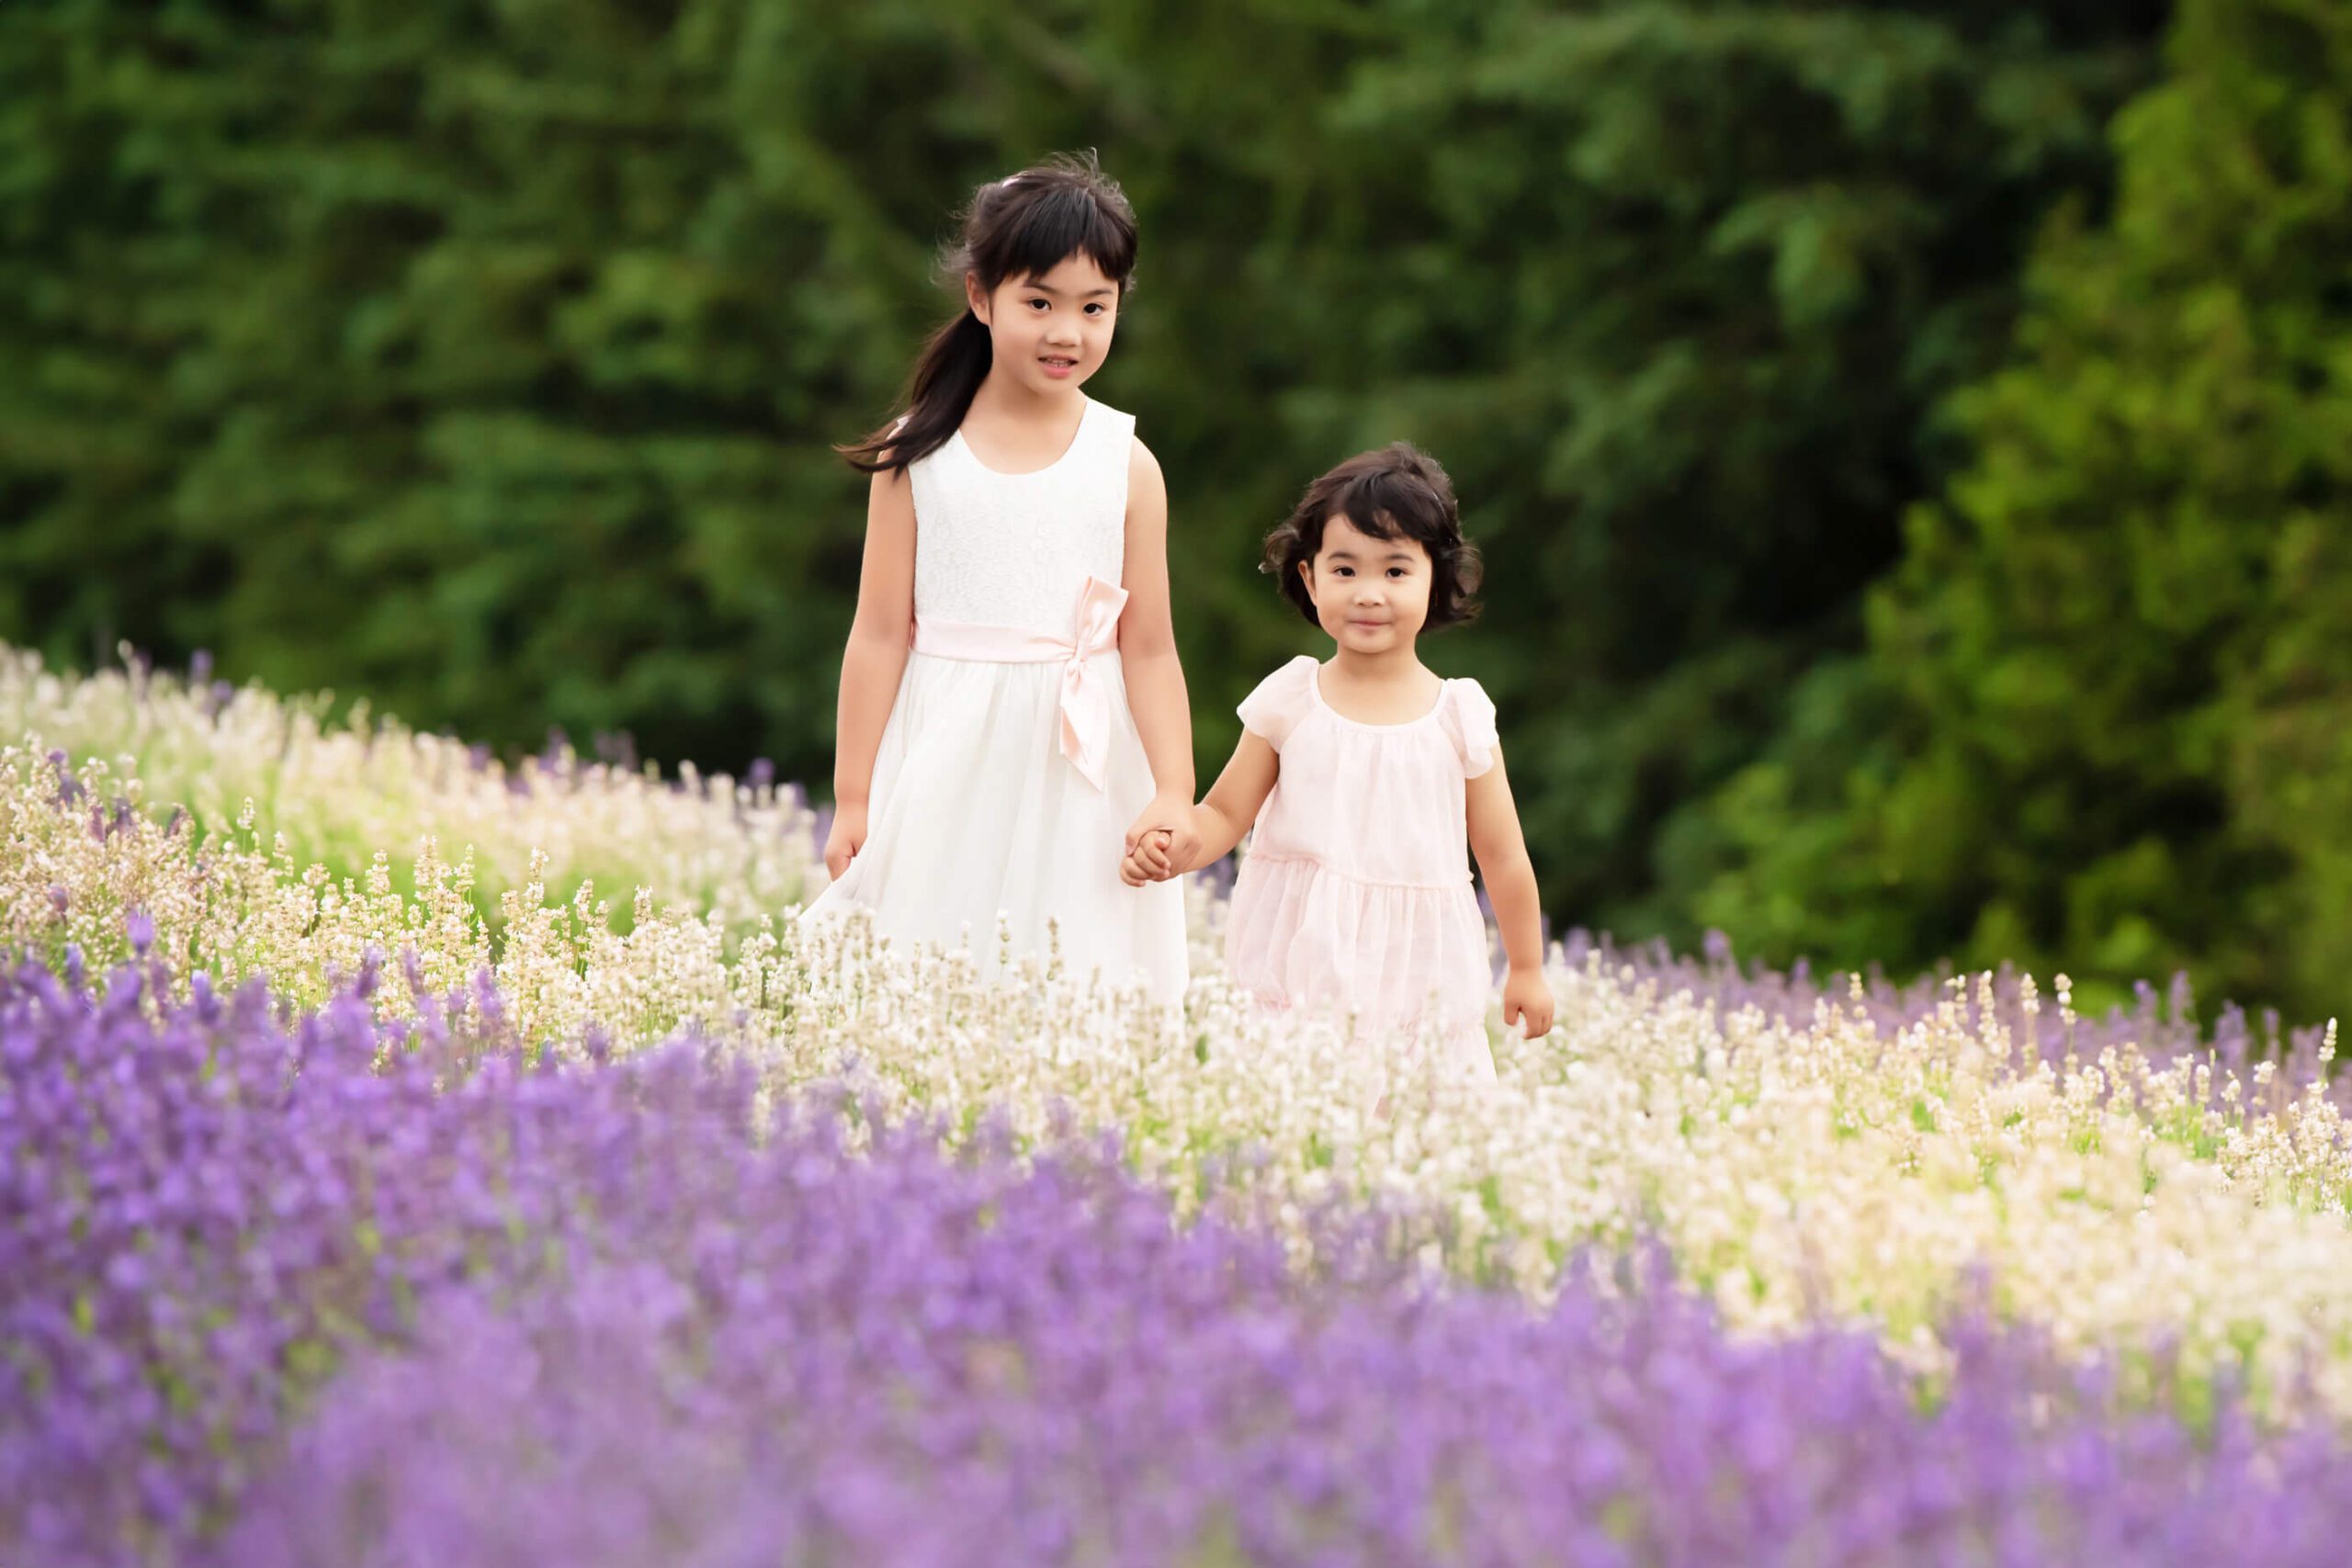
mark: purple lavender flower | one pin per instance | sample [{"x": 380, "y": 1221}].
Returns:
[
  {"x": 615, "y": 749},
  {"x": 331, "y": 1291}
]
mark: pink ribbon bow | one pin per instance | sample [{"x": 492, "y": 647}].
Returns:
[{"x": 1086, "y": 702}]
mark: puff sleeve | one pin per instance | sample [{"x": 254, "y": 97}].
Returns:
[
  {"x": 1470, "y": 720},
  {"x": 1282, "y": 699}
]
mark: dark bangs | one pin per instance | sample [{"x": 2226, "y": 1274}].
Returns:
[{"x": 1060, "y": 222}]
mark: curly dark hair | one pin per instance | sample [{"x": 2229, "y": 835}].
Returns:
[{"x": 1395, "y": 491}]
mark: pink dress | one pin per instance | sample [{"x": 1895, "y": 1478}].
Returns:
[{"x": 1354, "y": 892}]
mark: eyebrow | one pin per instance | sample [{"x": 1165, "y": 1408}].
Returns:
[
  {"x": 1393, "y": 554},
  {"x": 1049, "y": 288}
]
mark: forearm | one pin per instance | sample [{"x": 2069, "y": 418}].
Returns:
[
  {"x": 1511, "y": 889},
  {"x": 1220, "y": 833},
  {"x": 1163, "y": 718},
  {"x": 871, "y": 668}
]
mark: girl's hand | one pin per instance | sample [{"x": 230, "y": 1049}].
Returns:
[
  {"x": 1147, "y": 861},
  {"x": 1173, "y": 816},
  {"x": 843, "y": 841},
  {"x": 1527, "y": 1001},
  {"x": 1156, "y": 855}
]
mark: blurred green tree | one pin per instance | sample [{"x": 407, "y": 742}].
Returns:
[
  {"x": 2106, "y": 718},
  {"x": 1672, "y": 288}
]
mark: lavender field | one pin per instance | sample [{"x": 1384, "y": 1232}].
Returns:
[{"x": 406, "y": 1159}]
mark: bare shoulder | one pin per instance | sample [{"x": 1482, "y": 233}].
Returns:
[
  {"x": 1141, "y": 465},
  {"x": 890, "y": 471},
  {"x": 1146, "y": 490}
]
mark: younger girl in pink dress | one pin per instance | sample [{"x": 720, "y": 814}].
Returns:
[{"x": 1364, "y": 776}]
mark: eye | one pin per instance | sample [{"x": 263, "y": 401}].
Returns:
[
  {"x": 1040, "y": 304},
  {"x": 1396, "y": 571},
  {"x": 1097, "y": 309}
]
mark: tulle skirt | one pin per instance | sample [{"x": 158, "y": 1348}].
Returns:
[
  {"x": 1408, "y": 962},
  {"x": 974, "y": 812}
]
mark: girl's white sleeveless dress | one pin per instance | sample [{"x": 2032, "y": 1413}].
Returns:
[{"x": 982, "y": 801}]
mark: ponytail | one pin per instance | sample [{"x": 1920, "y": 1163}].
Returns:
[{"x": 949, "y": 371}]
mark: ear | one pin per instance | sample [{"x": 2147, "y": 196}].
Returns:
[
  {"x": 1306, "y": 574},
  {"x": 976, "y": 296}
]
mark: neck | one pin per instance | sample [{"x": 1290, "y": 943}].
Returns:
[{"x": 1399, "y": 663}]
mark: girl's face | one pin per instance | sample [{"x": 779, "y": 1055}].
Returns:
[
  {"x": 1049, "y": 333},
  {"x": 1372, "y": 595}
]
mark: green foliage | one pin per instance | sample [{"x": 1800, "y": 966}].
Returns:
[
  {"x": 483, "y": 355},
  {"x": 1670, "y": 288},
  {"x": 2106, "y": 720}
]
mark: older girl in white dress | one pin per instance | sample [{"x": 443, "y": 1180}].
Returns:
[{"x": 1010, "y": 701}]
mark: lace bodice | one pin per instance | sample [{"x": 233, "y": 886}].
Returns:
[{"x": 1016, "y": 549}]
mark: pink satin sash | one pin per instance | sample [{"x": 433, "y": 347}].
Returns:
[{"x": 1085, "y": 700}]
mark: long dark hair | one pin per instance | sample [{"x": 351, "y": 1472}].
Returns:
[{"x": 1022, "y": 226}]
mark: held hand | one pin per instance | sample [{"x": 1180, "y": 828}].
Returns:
[
  {"x": 846, "y": 837},
  {"x": 1153, "y": 857},
  {"x": 1183, "y": 841},
  {"x": 1147, "y": 861},
  {"x": 1172, "y": 815},
  {"x": 1527, "y": 1001}
]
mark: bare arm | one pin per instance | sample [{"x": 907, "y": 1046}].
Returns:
[
  {"x": 1148, "y": 640},
  {"x": 874, "y": 660},
  {"x": 1211, "y": 828},
  {"x": 1510, "y": 875},
  {"x": 1234, "y": 800}
]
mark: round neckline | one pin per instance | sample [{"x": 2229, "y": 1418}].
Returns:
[
  {"x": 1315, "y": 689},
  {"x": 1084, "y": 413}
]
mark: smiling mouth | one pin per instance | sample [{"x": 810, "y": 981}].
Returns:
[{"x": 1055, "y": 363}]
